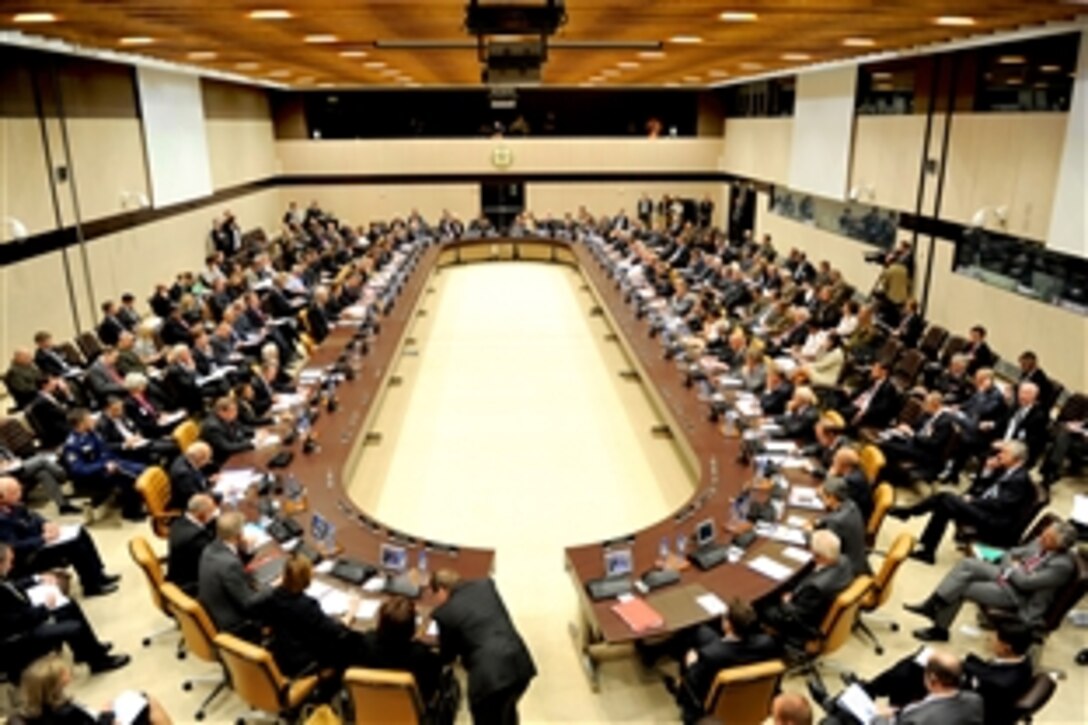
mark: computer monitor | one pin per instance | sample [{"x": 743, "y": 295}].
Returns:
[
  {"x": 704, "y": 532},
  {"x": 394, "y": 558},
  {"x": 618, "y": 562},
  {"x": 321, "y": 528}
]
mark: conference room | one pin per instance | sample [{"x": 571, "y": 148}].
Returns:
[{"x": 555, "y": 361}]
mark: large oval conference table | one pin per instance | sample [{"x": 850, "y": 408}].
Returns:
[{"x": 712, "y": 458}]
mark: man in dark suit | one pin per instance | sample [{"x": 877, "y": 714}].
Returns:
[
  {"x": 124, "y": 439},
  {"x": 877, "y": 405},
  {"x": 91, "y": 464},
  {"x": 48, "y": 413},
  {"x": 953, "y": 383},
  {"x": 104, "y": 379},
  {"x": 1022, "y": 584},
  {"x": 23, "y": 377},
  {"x": 189, "y": 534},
  {"x": 799, "y": 420},
  {"x": 392, "y": 645},
  {"x": 776, "y": 392},
  {"x": 31, "y": 630},
  {"x": 473, "y": 624},
  {"x": 797, "y": 615},
  {"x": 846, "y": 465},
  {"x": 921, "y": 446},
  {"x": 740, "y": 642},
  {"x": 224, "y": 433},
  {"x": 980, "y": 420},
  {"x": 227, "y": 592},
  {"x": 994, "y": 505},
  {"x": 41, "y": 547},
  {"x": 843, "y": 517},
  {"x": 1030, "y": 372},
  {"x": 187, "y": 478},
  {"x": 1029, "y": 422},
  {"x": 110, "y": 328},
  {"x": 48, "y": 360},
  {"x": 127, "y": 313},
  {"x": 978, "y": 351},
  {"x": 39, "y": 469},
  {"x": 181, "y": 380},
  {"x": 911, "y": 325},
  {"x": 316, "y": 315}
]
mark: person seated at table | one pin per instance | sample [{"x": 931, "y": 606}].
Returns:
[
  {"x": 799, "y": 419},
  {"x": 91, "y": 464},
  {"x": 144, "y": 412},
  {"x": 844, "y": 518},
  {"x": 1022, "y": 584},
  {"x": 826, "y": 366},
  {"x": 304, "y": 638},
  {"x": 753, "y": 505},
  {"x": 31, "y": 630},
  {"x": 181, "y": 380},
  {"x": 40, "y": 469},
  {"x": 41, "y": 547},
  {"x": 123, "y": 437},
  {"x": 187, "y": 474},
  {"x": 994, "y": 504},
  {"x": 846, "y": 464},
  {"x": 1000, "y": 681},
  {"x": 394, "y": 645},
  {"x": 776, "y": 391},
  {"x": 189, "y": 534},
  {"x": 829, "y": 433},
  {"x": 796, "y": 616},
  {"x": 44, "y": 700},
  {"x": 753, "y": 372},
  {"x": 229, "y": 594},
  {"x": 919, "y": 447},
  {"x": 740, "y": 641},
  {"x": 224, "y": 432},
  {"x": 946, "y": 699},
  {"x": 877, "y": 405}
]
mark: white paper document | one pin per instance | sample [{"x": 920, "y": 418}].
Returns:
[
  {"x": 780, "y": 447},
  {"x": 781, "y": 532},
  {"x": 801, "y": 556},
  {"x": 922, "y": 658},
  {"x": 128, "y": 706},
  {"x": 374, "y": 584},
  {"x": 770, "y": 568},
  {"x": 256, "y": 536},
  {"x": 335, "y": 603},
  {"x": 857, "y": 702},
  {"x": 432, "y": 628},
  {"x": 805, "y": 497},
  {"x": 66, "y": 533},
  {"x": 1080, "y": 508},
  {"x": 39, "y": 595},
  {"x": 325, "y": 567},
  {"x": 712, "y": 604},
  {"x": 797, "y": 522},
  {"x": 368, "y": 608}
]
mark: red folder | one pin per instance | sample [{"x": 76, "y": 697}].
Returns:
[{"x": 638, "y": 615}]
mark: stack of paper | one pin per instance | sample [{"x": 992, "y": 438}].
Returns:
[
  {"x": 801, "y": 556},
  {"x": 368, "y": 608},
  {"x": 335, "y": 603},
  {"x": 781, "y": 532},
  {"x": 1080, "y": 509},
  {"x": 39, "y": 596},
  {"x": 805, "y": 497},
  {"x": 232, "y": 484},
  {"x": 713, "y": 605},
  {"x": 66, "y": 533},
  {"x": 770, "y": 568}
]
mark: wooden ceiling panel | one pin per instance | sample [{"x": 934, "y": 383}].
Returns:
[{"x": 277, "y": 50}]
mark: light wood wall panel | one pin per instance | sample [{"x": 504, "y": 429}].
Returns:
[
  {"x": 33, "y": 296},
  {"x": 107, "y": 162},
  {"x": 758, "y": 148},
  {"x": 24, "y": 181},
  {"x": 1006, "y": 160},
  {"x": 422, "y": 156},
  {"x": 887, "y": 159},
  {"x": 609, "y": 198},
  {"x": 361, "y": 204},
  {"x": 241, "y": 142}
]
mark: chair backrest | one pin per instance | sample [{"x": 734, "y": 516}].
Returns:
[
  {"x": 90, "y": 345},
  {"x": 839, "y": 621},
  {"x": 931, "y": 342},
  {"x": 883, "y": 500},
  {"x": 882, "y": 582},
  {"x": 1075, "y": 407},
  {"x": 1036, "y": 530},
  {"x": 1038, "y": 695},
  {"x": 907, "y": 368},
  {"x": 186, "y": 433},
  {"x": 912, "y": 410},
  {"x": 71, "y": 354},
  {"x": 145, "y": 559},
  {"x": 743, "y": 695},
  {"x": 954, "y": 345},
  {"x": 197, "y": 628},
  {"x": 17, "y": 437},
  {"x": 383, "y": 697},
  {"x": 253, "y": 674},
  {"x": 889, "y": 351},
  {"x": 872, "y": 462},
  {"x": 154, "y": 485}
]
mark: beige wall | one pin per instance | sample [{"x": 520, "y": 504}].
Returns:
[
  {"x": 24, "y": 181},
  {"x": 609, "y": 198},
  {"x": 758, "y": 148},
  {"x": 238, "y": 122},
  {"x": 887, "y": 159},
  {"x": 361, "y": 204},
  {"x": 1010, "y": 160},
  {"x": 436, "y": 156}
]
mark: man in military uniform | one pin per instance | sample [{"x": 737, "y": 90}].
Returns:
[{"x": 91, "y": 464}]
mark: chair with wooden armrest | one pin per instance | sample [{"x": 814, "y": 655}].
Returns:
[{"x": 384, "y": 697}]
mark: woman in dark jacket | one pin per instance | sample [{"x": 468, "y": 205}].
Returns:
[{"x": 392, "y": 646}]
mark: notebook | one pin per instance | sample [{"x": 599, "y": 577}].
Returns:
[{"x": 638, "y": 615}]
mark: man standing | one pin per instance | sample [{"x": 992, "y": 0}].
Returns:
[{"x": 473, "y": 624}]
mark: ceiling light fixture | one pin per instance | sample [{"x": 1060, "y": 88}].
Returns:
[
  {"x": 353, "y": 54},
  {"x": 652, "y": 54},
  {"x": 374, "y": 64},
  {"x": 1012, "y": 60},
  {"x": 732, "y": 16},
  {"x": 750, "y": 65},
  {"x": 271, "y": 14},
  {"x": 691, "y": 79},
  {"x": 954, "y": 21},
  {"x": 34, "y": 18},
  {"x": 1050, "y": 69},
  {"x": 796, "y": 56},
  {"x": 326, "y": 85},
  {"x": 136, "y": 40},
  {"x": 672, "y": 84},
  {"x": 248, "y": 65},
  {"x": 321, "y": 39},
  {"x": 718, "y": 73},
  {"x": 686, "y": 39},
  {"x": 280, "y": 73},
  {"x": 202, "y": 55},
  {"x": 609, "y": 73},
  {"x": 858, "y": 42},
  {"x": 628, "y": 64}
]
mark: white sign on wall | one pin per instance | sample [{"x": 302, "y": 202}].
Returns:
[{"x": 172, "y": 111}]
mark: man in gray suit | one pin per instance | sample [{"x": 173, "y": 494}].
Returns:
[
  {"x": 1024, "y": 582},
  {"x": 844, "y": 519},
  {"x": 224, "y": 588}
]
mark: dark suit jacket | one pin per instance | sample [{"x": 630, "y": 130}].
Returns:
[
  {"x": 319, "y": 323},
  {"x": 50, "y": 420},
  {"x": 102, "y": 383},
  {"x": 1000, "y": 684},
  {"x": 185, "y": 546},
  {"x": 145, "y": 420},
  {"x": 849, "y": 526},
  {"x": 302, "y": 634},
  {"x": 18, "y": 620},
  {"x": 981, "y": 357},
  {"x": 861, "y": 493},
  {"x": 181, "y": 386},
  {"x": 1041, "y": 380},
  {"x": 773, "y": 402},
  {"x": 963, "y": 708},
  {"x": 814, "y": 595},
  {"x": 883, "y": 406},
  {"x": 1031, "y": 429},
  {"x": 911, "y": 329},
  {"x": 50, "y": 362},
  {"x": 109, "y": 330},
  {"x": 1014, "y": 493},
  {"x": 21, "y": 529},
  {"x": 226, "y": 439},
  {"x": 108, "y": 432},
  {"x": 174, "y": 332},
  {"x": 186, "y": 481},
  {"x": 225, "y": 589},
  {"x": 800, "y": 424},
  {"x": 414, "y": 657},
  {"x": 986, "y": 406},
  {"x": 474, "y": 625},
  {"x": 723, "y": 653}
]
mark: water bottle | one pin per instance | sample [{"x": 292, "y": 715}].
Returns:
[
  {"x": 421, "y": 561},
  {"x": 330, "y": 480},
  {"x": 681, "y": 544},
  {"x": 663, "y": 548}
]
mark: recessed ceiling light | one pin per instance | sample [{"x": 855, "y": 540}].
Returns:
[
  {"x": 374, "y": 64},
  {"x": 652, "y": 54},
  {"x": 796, "y": 56},
  {"x": 718, "y": 73},
  {"x": 731, "y": 16},
  {"x": 353, "y": 53},
  {"x": 34, "y": 18},
  {"x": 325, "y": 85},
  {"x": 879, "y": 74},
  {"x": 136, "y": 40},
  {"x": 691, "y": 79},
  {"x": 954, "y": 21},
  {"x": 750, "y": 65},
  {"x": 628, "y": 64},
  {"x": 305, "y": 80},
  {"x": 202, "y": 55},
  {"x": 319, "y": 39},
  {"x": 883, "y": 87},
  {"x": 1015, "y": 81},
  {"x": 858, "y": 42},
  {"x": 685, "y": 39},
  {"x": 1012, "y": 60},
  {"x": 586, "y": 84},
  {"x": 609, "y": 73},
  {"x": 270, "y": 14},
  {"x": 1050, "y": 69},
  {"x": 390, "y": 72},
  {"x": 672, "y": 84},
  {"x": 248, "y": 65},
  {"x": 280, "y": 73}
]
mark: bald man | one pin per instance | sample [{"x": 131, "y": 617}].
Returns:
[
  {"x": 789, "y": 708},
  {"x": 1029, "y": 422},
  {"x": 187, "y": 477},
  {"x": 22, "y": 377},
  {"x": 189, "y": 534}
]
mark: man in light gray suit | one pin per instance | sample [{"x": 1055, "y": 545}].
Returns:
[
  {"x": 844, "y": 519},
  {"x": 1024, "y": 582},
  {"x": 224, "y": 588}
]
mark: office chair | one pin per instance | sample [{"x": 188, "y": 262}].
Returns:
[
  {"x": 199, "y": 633},
  {"x": 883, "y": 500},
  {"x": 743, "y": 695},
  {"x": 1035, "y": 699},
  {"x": 149, "y": 566},
  {"x": 185, "y": 434},
  {"x": 872, "y": 462},
  {"x": 836, "y": 627},
  {"x": 154, "y": 486},
  {"x": 881, "y": 590},
  {"x": 383, "y": 697},
  {"x": 257, "y": 680}
]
